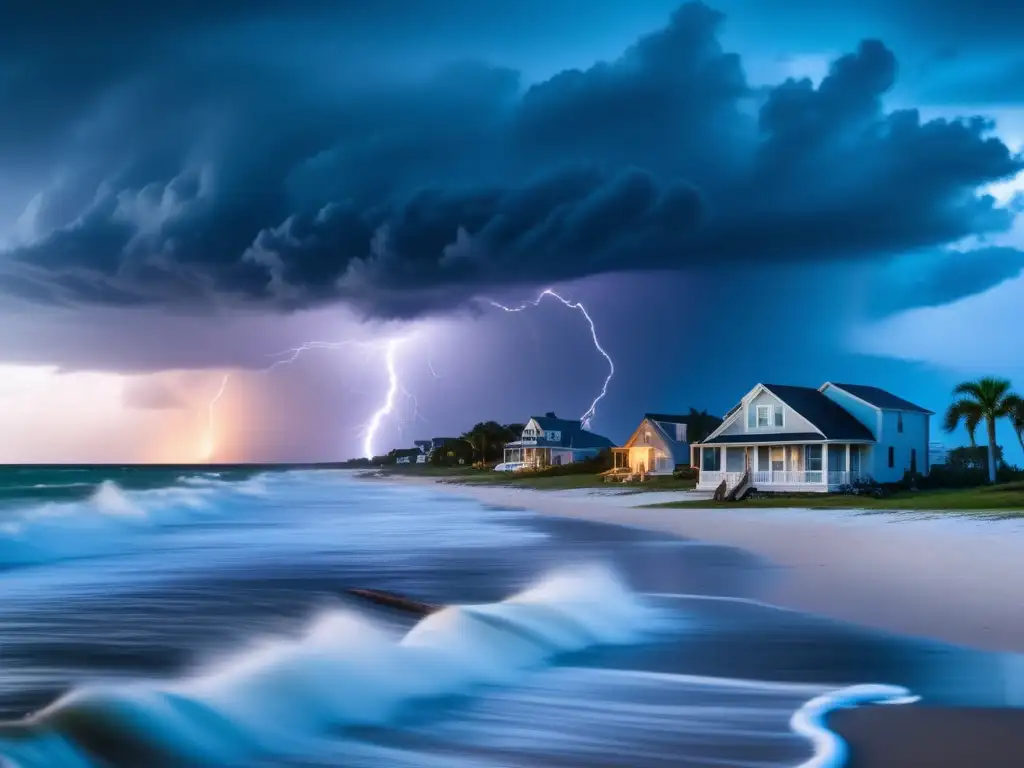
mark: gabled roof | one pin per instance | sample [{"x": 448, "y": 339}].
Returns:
[
  {"x": 830, "y": 418},
  {"x": 554, "y": 423},
  {"x": 879, "y": 398},
  {"x": 665, "y": 418},
  {"x": 680, "y": 449},
  {"x": 573, "y": 435}
]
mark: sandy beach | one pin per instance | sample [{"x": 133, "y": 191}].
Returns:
[
  {"x": 937, "y": 576},
  {"x": 940, "y": 576}
]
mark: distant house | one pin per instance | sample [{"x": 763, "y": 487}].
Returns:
[
  {"x": 659, "y": 445},
  {"x": 406, "y": 455},
  {"x": 424, "y": 451},
  {"x": 427, "y": 448},
  {"x": 550, "y": 441},
  {"x": 805, "y": 439}
]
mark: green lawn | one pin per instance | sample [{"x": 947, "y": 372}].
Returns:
[
  {"x": 1005, "y": 498},
  {"x": 569, "y": 481}
]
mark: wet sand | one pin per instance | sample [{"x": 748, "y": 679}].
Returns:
[
  {"x": 932, "y": 737},
  {"x": 939, "y": 576}
]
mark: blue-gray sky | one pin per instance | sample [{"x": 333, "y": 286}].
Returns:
[{"x": 745, "y": 192}]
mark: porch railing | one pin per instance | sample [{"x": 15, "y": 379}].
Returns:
[{"x": 782, "y": 477}]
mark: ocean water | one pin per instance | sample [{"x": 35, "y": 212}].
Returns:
[{"x": 181, "y": 618}]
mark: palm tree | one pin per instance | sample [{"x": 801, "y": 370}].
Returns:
[
  {"x": 1017, "y": 418},
  {"x": 988, "y": 399}
]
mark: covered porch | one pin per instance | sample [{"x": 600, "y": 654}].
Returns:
[
  {"x": 805, "y": 467},
  {"x": 531, "y": 456}
]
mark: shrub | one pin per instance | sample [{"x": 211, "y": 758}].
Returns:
[{"x": 686, "y": 473}]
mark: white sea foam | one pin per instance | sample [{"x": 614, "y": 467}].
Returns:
[
  {"x": 346, "y": 670},
  {"x": 830, "y": 751},
  {"x": 102, "y": 524}
]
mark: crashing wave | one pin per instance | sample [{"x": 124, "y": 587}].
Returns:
[{"x": 345, "y": 670}]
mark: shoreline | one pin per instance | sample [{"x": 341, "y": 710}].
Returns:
[
  {"x": 944, "y": 578},
  {"x": 935, "y": 578}
]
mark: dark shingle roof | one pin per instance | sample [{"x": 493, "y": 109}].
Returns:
[
  {"x": 747, "y": 438},
  {"x": 552, "y": 423},
  {"x": 584, "y": 439},
  {"x": 835, "y": 422},
  {"x": 573, "y": 434},
  {"x": 880, "y": 398}
]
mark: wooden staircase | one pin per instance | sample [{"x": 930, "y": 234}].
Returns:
[{"x": 742, "y": 488}]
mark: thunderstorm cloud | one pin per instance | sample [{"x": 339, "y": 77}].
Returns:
[{"x": 197, "y": 165}]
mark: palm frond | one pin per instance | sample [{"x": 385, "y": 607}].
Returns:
[
  {"x": 965, "y": 410},
  {"x": 970, "y": 389}
]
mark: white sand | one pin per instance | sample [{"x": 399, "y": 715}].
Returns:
[{"x": 941, "y": 576}]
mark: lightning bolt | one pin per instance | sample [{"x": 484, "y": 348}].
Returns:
[
  {"x": 372, "y": 427},
  {"x": 389, "y": 401},
  {"x": 208, "y": 441},
  {"x": 589, "y": 414}
]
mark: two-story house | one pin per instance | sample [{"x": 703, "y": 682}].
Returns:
[
  {"x": 804, "y": 439},
  {"x": 549, "y": 441}
]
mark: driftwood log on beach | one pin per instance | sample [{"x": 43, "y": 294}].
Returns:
[{"x": 399, "y": 602}]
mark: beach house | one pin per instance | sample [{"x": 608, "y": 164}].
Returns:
[
  {"x": 660, "y": 444},
  {"x": 793, "y": 438},
  {"x": 550, "y": 441}
]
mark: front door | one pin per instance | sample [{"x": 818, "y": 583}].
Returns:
[{"x": 778, "y": 459}]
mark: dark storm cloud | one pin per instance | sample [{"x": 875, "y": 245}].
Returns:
[
  {"x": 933, "y": 279},
  {"x": 243, "y": 176}
]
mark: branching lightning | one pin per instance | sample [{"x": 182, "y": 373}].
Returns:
[
  {"x": 589, "y": 414},
  {"x": 372, "y": 427}
]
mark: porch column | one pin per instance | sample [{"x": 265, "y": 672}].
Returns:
[
  {"x": 722, "y": 466},
  {"x": 849, "y": 477}
]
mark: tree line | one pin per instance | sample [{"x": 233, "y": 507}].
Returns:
[{"x": 485, "y": 442}]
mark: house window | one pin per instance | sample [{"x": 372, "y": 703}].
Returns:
[
  {"x": 711, "y": 461},
  {"x": 892, "y": 457},
  {"x": 812, "y": 458},
  {"x": 899, "y": 422},
  {"x": 764, "y": 415},
  {"x": 913, "y": 461},
  {"x": 647, "y": 437},
  {"x": 680, "y": 433}
]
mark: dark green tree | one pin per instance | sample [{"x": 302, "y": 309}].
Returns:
[
  {"x": 1017, "y": 419},
  {"x": 452, "y": 453},
  {"x": 988, "y": 399},
  {"x": 700, "y": 425},
  {"x": 488, "y": 439}
]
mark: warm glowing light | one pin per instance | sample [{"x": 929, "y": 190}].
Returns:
[
  {"x": 209, "y": 446},
  {"x": 589, "y": 414}
]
